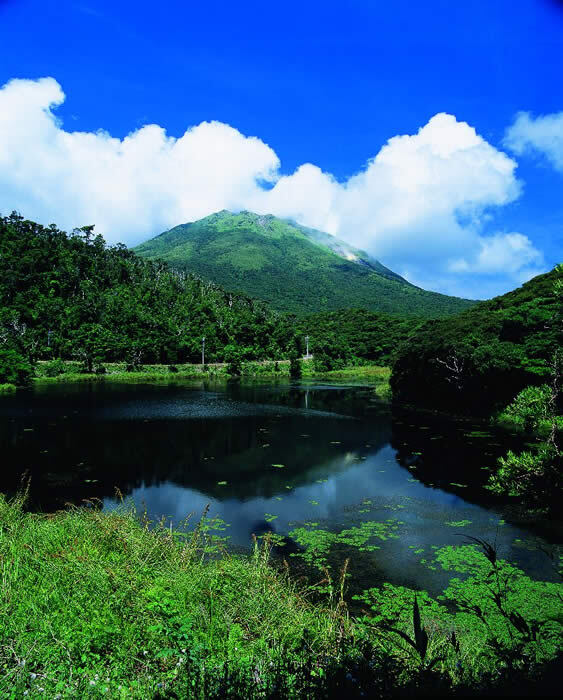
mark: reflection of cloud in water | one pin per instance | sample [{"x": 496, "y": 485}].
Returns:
[
  {"x": 348, "y": 483},
  {"x": 335, "y": 504}
]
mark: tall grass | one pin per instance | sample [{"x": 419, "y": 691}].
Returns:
[
  {"x": 108, "y": 604},
  {"x": 98, "y": 604}
]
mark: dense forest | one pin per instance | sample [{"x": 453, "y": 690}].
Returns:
[
  {"x": 357, "y": 333},
  {"x": 483, "y": 357},
  {"x": 72, "y": 296}
]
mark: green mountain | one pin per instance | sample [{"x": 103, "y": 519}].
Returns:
[{"x": 291, "y": 267}]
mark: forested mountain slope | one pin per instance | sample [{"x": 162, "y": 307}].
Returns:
[
  {"x": 484, "y": 356},
  {"x": 70, "y": 295},
  {"x": 357, "y": 333},
  {"x": 292, "y": 267}
]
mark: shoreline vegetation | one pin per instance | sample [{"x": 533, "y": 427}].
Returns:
[
  {"x": 107, "y": 604},
  {"x": 70, "y": 372}
]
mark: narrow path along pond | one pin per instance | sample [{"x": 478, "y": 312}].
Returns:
[{"x": 273, "y": 457}]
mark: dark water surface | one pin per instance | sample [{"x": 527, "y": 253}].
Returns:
[{"x": 346, "y": 459}]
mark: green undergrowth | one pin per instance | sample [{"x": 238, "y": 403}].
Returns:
[
  {"x": 62, "y": 371},
  {"x": 106, "y": 604},
  {"x": 72, "y": 372},
  {"x": 96, "y": 604},
  {"x": 7, "y": 388}
]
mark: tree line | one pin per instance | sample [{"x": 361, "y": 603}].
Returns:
[{"x": 71, "y": 296}]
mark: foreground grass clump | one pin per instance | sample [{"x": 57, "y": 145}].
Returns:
[
  {"x": 96, "y": 604},
  {"x": 102, "y": 604}
]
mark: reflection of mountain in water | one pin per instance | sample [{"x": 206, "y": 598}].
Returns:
[{"x": 125, "y": 439}]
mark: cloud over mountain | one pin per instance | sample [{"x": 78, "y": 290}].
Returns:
[{"x": 420, "y": 204}]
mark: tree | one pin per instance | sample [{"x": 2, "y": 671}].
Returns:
[{"x": 14, "y": 368}]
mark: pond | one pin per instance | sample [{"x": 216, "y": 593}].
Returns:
[{"x": 273, "y": 457}]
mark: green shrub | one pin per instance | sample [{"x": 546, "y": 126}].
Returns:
[
  {"x": 533, "y": 476},
  {"x": 530, "y": 409},
  {"x": 14, "y": 368},
  {"x": 295, "y": 370},
  {"x": 54, "y": 368}
]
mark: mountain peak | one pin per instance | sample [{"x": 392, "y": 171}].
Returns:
[{"x": 292, "y": 267}]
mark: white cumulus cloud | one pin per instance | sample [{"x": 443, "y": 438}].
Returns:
[
  {"x": 420, "y": 204},
  {"x": 543, "y": 135},
  {"x": 130, "y": 188}
]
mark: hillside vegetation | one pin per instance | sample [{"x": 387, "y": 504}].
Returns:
[
  {"x": 483, "y": 357},
  {"x": 71, "y": 296},
  {"x": 291, "y": 267}
]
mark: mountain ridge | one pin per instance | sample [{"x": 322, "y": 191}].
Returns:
[{"x": 291, "y": 267}]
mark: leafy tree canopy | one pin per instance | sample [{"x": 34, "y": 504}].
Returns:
[
  {"x": 72, "y": 296},
  {"x": 483, "y": 357}
]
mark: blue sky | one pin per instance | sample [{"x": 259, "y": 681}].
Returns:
[{"x": 468, "y": 204}]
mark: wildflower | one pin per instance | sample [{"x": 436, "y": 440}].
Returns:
[
  {"x": 92, "y": 682},
  {"x": 33, "y": 676}
]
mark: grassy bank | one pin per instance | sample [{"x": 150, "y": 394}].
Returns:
[
  {"x": 70, "y": 372},
  {"x": 96, "y": 604},
  {"x": 99, "y": 604},
  {"x": 7, "y": 388},
  {"x": 369, "y": 374}
]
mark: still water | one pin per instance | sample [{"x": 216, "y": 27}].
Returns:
[{"x": 271, "y": 457}]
